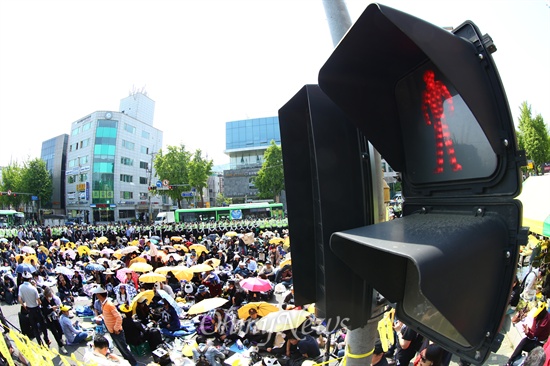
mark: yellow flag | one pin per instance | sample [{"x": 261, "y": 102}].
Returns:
[
  {"x": 4, "y": 349},
  {"x": 22, "y": 347},
  {"x": 385, "y": 330}
]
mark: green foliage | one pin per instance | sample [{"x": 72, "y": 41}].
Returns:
[
  {"x": 11, "y": 181},
  {"x": 183, "y": 170},
  {"x": 199, "y": 171},
  {"x": 32, "y": 178},
  {"x": 533, "y": 137},
  {"x": 37, "y": 180},
  {"x": 270, "y": 180},
  {"x": 173, "y": 165},
  {"x": 221, "y": 200}
]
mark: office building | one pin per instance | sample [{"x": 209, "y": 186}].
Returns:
[
  {"x": 109, "y": 163},
  {"x": 246, "y": 142},
  {"x": 54, "y": 154}
]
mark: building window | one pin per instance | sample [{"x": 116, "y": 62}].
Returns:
[
  {"x": 127, "y": 144},
  {"x": 145, "y": 134},
  {"x": 70, "y": 179},
  {"x": 126, "y": 161},
  {"x": 76, "y": 131},
  {"x": 126, "y": 195},
  {"x": 86, "y": 126},
  {"x": 85, "y": 143},
  {"x": 129, "y": 128},
  {"x": 126, "y": 178},
  {"x": 127, "y": 214},
  {"x": 144, "y": 165},
  {"x": 143, "y": 195},
  {"x": 83, "y": 177},
  {"x": 142, "y": 180},
  {"x": 144, "y": 150}
]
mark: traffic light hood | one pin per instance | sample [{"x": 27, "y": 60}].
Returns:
[{"x": 372, "y": 65}]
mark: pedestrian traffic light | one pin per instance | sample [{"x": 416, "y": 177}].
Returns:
[
  {"x": 318, "y": 191},
  {"x": 432, "y": 103}
]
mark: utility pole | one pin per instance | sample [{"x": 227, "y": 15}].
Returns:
[
  {"x": 150, "y": 182},
  {"x": 359, "y": 341}
]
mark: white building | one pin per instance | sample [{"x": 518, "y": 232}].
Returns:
[{"x": 109, "y": 163}]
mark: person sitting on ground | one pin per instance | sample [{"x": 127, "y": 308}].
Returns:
[
  {"x": 8, "y": 290},
  {"x": 73, "y": 333},
  {"x": 212, "y": 354},
  {"x": 143, "y": 312},
  {"x": 535, "y": 335},
  {"x": 135, "y": 331},
  {"x": 122, "y": 296},
  {"x": 307, "y": 348},
  {"x": 64, "y": 289},
  {"x": 101, "y": 355},
  {"x": 169, "y": 323},
  {"x": 202, "y": 293},
  {"x": 77, "y": 283},
  {"x": 241, "y": 272},
  {"x": 268, "y": 271}
]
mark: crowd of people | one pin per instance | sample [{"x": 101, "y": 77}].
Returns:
[{"x": 47, "y": 273}]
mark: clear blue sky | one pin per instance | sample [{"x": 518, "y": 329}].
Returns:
[{"x": 208, "y": 62}]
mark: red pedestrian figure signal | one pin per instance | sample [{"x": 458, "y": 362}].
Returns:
[{"x": 432, "y": 104}]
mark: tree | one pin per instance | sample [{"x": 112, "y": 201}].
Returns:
[
  {"x": 270, "y": 180},
  {"x": 221, "y": 200},
  {"x": 533, "y": 137},
  {"x": 174, "y": 167},
  {"x": 37, "y": 181},
  {"x": 11, "y": 181},
  {"x": 199, "y": 171}
]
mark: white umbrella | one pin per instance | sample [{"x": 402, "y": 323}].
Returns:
[
  {"x": 27, "y": 249},
  {"x": 107, "y": 251},
  {"x": 129, "y": 249},
  {"x": 64, "y": 270}
]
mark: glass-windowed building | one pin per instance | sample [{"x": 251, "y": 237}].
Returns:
[
  {"x": 246, "y": 142},
  {"x": 109, "y": 164},
  {"x": 54, "y": 153}
]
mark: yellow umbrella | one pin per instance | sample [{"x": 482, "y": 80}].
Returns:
[
  {"x": 83, "y": 250},
  {"x": 231, "y": 233},
  {"x": 134, "y": 243},
  {"x": 206, "y": 305},
  {"x": 29, "y": 258},
  {"x": 263, "y": 308},
  {"x": 138, "y": 259},
  {"x": 200, "y": 268},
  {"x": 276, "y": 241},
  {"x": 176, "y": 239},
  {"x": 141, "y": 267},
  {"x": 181, "y": 272},
  {"x": 181, "y": 247},
  {"x": 149, "y": 294},
  {"x": 212, "y": 262},
  {"x": 102, "y": 240},
  {"x": 285, "y": 262},
  {"x": 95, "y": 252},
  {"x": 199, "y": 248},
  {"x": 44, "y": 250},
  {"x": 152, "y": 277},
  {"x": 117, "y": 254},
  {"x": 286, "y": 244}
]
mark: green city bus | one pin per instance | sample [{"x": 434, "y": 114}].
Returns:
[
  {"x": 10, "y": 218},
  {"x": 248, "y": 211}
]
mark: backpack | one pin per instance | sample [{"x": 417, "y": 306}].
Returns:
[{"x": 202, "y": 360}]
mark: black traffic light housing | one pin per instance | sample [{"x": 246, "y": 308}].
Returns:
[
  {"x": 432, "y": 103},
  {"x": 327, "y": 188}
]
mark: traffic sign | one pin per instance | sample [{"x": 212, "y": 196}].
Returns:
[
  {"x": 158, "y": 184},
  {"x": 193, "y": 190},
  {"x": 187, "y": 194},
  {"x": 34, "y": 198},
  {"x": 9, "y": 192},
  {"x": 165, "y": 182}
]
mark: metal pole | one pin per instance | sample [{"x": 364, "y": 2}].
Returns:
[{"x": 359, "y": 341}]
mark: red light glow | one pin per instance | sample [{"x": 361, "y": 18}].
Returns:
[{"x": 432, "y": 108}]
